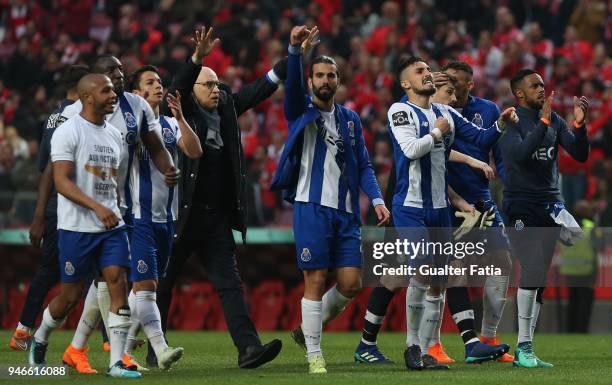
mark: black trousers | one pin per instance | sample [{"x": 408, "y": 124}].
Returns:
[
  {"x": 47, "y": 275},
  {"x": 208, "y": 232},
  {"x": 533, "y": 236}
]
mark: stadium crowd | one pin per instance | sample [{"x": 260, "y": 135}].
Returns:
[{"x": 568, "y": 42}]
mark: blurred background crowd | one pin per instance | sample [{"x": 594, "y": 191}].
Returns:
[{"x": 568, "y": 42}]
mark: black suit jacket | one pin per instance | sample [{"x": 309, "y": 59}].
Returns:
[{"x": 231, "y": 105}]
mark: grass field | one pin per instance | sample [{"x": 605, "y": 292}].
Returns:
[{"x": 210, "y": 358}]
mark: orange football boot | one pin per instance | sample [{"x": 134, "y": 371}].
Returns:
[
  {"x": 20, "y": 340},
  {"x": 77, "y": 359},
  {"x": 437, "y": 352},
  {"x": 494, "y": 341}
]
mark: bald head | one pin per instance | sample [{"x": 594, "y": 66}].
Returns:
[
  {"x": 206, "y": 89},
  {"x": 96, "y": 94},
  {"x": 88, "y": 83}
]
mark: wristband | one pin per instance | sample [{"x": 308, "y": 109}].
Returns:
[
  {"x": 545, "y": 121},
  {"x": 436, "y": 133}
]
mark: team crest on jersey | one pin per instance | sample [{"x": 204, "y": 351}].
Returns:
[
  {"x": 305, "y": 256},
  {"x": 168, "y": 135},
  {"x": 69, "y": 268},
  {"x": 477, "y": 120},
  {"x": 519, "y": 225},
  {"x": 130, "y": 120},
  {"x": 425, "y": 124},
  {"x": 142, "y": 266}
]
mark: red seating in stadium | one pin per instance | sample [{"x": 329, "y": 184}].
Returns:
[{"x": 267, "y": 303}]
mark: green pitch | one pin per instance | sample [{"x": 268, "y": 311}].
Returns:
[{"x": 210, "y": 358}]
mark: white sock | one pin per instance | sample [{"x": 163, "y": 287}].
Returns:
[
  {"x": 312, "y": 326},
  {"x": 104, "y": 304},
  {"x": 132, "y": 336},
  {"x": 429, "y": 321},
  {"x": 534, "y": 319},
  {"x": 525, "y": 300},
  {"x": 436, "y": 336},
  {"x": 494, "y": 301},
  {"x": 415, "y": 293},
  {"x": 90, "y": 318},
  {"x": 47, "y": 325},
  {"x": 333, "y": 303},
  {"x": 118, "y": 324},
  {"x": 150, "y": 319},
  {"x": 26, "y": 329}
]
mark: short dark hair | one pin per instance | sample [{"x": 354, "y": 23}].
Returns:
[
  {"x": 459, "y": 66},
  {"x": 95, "y": 62},
  {"x": 405, "y": 62},
  {"x": 322, "y": 59},
  {"x": 133, "y": 80},
  {"x": 72, "y": 74},
  {"x": 518, "y": 77}
]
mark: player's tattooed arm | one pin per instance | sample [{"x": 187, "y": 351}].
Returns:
[{"x": 63, "y": 175}]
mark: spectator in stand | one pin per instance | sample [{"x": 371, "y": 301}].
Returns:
[
  {"x": 506, "y": 30},
  {"x": 542, "y": 49},
  {"x": 588, "y": 19},
  {"x": 7, "y": 189}
]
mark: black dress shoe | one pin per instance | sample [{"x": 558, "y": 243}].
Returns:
[
  {"x": 256, "y": 355},
  {"x": 412, "y": 358}
]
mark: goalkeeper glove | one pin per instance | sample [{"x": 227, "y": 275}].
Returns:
[{"x": 479, "y": 218}]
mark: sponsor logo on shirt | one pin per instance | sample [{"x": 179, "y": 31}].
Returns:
[
  {"x": 544, "y": 153},
  {"x": 400, "y": 118}
]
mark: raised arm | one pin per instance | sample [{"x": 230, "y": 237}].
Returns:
[
  {"x": 254, "y": 93},
  {"x": 188, "y": 73},
  {"x": 484, "y": 139},
  {"x": 575, "y": 141},
  {"x": 188, "y": 141},
  {"x": 296, "y": 98}
]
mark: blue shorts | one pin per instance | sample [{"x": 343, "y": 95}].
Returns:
[
  {"x": 325, "y": 237},
  {"x": 128, "y": 219},
  {"x": 81, "y": 254},
  {"x": 495, "y": 235},
  {"x": 151, "y": 246},
  {"x": 423, "y": 225}
]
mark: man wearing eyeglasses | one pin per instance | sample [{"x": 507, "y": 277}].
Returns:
[{"x": 212, "y": 194}]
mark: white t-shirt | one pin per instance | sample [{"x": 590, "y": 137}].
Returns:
[
  {"x": 142, "y": 119},
  {"x": 152, "y": 198},
  {"x": 96, "y": 153}
]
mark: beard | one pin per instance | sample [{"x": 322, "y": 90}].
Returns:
[
  {"x": 535, "y": 104},
  {"x": 425, "y": 91},
  {"x": 326, "y": 97}
]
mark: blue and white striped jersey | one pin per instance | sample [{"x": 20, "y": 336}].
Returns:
[
  {"x": 152, "y": 199},
  {"x": 420, "y": 161},
  {"x": 322, "y": 177}
]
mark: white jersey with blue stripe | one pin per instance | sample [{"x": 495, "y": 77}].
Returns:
[
  {"x": 321, "y": 179},
  {"x": 152, "y": 199},
  {"x": 420, "y": 161},
  {"x": 132, "y": 115}
]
